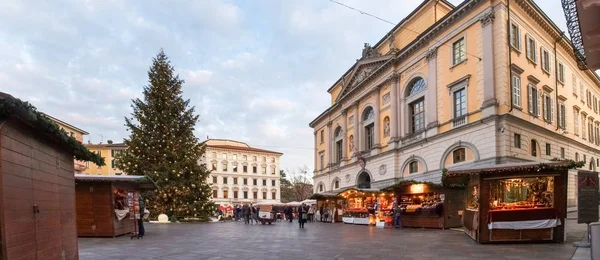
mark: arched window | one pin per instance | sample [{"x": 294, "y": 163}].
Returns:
[
  {"x": 459, "y": 155},
  {"x": 369, "y": 125},
  {"x": 416, "y": 105},
  {"x": 336, "y": 184},
  {"x": 339, "y": 143},
  {"x": 577, "y": 157},
  {"x": 364, "y": 180},
  {"x": 413, "y": 167},
  {"x": 416, "y": 86},
  {"x": 534, "y": 146},
  {"x": 321, "y": 187}
]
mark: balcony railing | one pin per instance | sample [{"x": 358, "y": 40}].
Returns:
[{"x": 459, "y": 121}]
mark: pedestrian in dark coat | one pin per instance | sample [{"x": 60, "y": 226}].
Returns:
[
  {"x": 246, "y": 211},
  {"x": 302, "y": 215}
]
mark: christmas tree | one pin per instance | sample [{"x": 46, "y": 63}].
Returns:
[{"x": 162, "y": 146}]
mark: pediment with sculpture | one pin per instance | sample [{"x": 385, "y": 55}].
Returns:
[{"x": 368, "y": 64}]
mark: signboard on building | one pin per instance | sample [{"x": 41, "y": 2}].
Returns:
[{"x": 587, "y": 197}]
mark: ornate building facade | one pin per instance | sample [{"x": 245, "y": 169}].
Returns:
[
  {"x": 482, "y": 83},
  {"x": 240, "y": 173}
]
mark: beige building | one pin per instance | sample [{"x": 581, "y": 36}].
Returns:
[
  {"x": 482, "y": 83},
  {"x": 74, "y": 132},
  {"x": 240, "y": 173},
  {"x": 108, "y": 151}
]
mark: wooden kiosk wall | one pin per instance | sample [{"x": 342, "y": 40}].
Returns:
[
  {"x": 95, "y": 210},
  {"x": 37, "y": 196}
]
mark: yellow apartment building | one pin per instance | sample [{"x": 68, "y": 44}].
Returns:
[
  {"x": 76, "y": 133},
  {"x": 482, "y": 83},
  {"x": 108, "y": 151}
]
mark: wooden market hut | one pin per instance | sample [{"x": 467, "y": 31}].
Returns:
[
  {"x": 102, "y": 209},
  {"x": 328, "y": 200},
  {"x": 429, "y": 205},
  {"x": 518, "y": 202},
  {"x": 37, "y": 184}
]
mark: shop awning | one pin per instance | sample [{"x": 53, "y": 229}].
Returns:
[
  {"x": 524, "y": 167},
  {"x": 143, "y": 182}
]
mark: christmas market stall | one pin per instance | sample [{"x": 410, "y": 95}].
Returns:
[
  {"x": 429, "y": 205},
  {"x": 37, "y": 186},
  {"x": 367, "y": 206},
  {"x": 328, "y": 206},
  {"x": 516, "y": 202},
  {"x": 108, "y": 206}
]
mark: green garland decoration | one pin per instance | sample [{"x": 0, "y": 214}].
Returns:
[
  {"x": 557, "y": 165},
  {"x": 455, "y": 184},
  {"x": 11, "y": 107}
]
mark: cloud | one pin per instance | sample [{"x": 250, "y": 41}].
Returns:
[
  {"x": 197, "y": 77},
  {"x": 254, "y": 71}
]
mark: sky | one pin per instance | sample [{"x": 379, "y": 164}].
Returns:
[{"x": 256, "y": 71}]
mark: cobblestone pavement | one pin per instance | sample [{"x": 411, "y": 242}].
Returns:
[{"x": 317, "y": 241}]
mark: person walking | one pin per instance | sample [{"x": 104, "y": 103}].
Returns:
[
  {"x": 302, "y": 215},
  {"x": 321, "y": 213},
  {"x": 252, "y": 213},
  {"x": 141, "y": 230},
  {"x": 246, "y": 211},
  {"x": 290, "y": 213}
]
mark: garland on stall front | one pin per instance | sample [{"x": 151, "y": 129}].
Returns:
[
  {"x": 557, "y": 165},
  {"x": 11, "y": 107}
]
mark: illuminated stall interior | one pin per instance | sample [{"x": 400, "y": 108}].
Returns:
[
  {"x": 516, "y": 202},
  {"x": 429, "y": 205},
  {"x": 367, "y": 206}
]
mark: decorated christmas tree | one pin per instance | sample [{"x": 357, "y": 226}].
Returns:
[{"x": 162, "y": 146}]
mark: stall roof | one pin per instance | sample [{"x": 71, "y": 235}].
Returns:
[
  {"x": 144, "y": 182},
  {"x": 517, "y": 167},
  {"x": 323, "y": 195}
]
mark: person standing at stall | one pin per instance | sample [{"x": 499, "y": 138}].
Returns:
[
  {"x": 141, "y": 230},
  {"x": 397, "y": 216},
  {"x": 311, "y": 213}
]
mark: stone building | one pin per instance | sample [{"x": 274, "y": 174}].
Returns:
[
  {"x": 240, "y": 173},
  {"x": 484, "y": 82}
]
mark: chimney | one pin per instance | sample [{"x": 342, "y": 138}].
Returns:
[{"x": 109, "y": 141}]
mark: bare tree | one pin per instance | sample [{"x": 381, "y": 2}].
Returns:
[{"x": 300, "y": 185}]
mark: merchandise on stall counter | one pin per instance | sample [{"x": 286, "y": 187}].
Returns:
[{"x": 427, "y": 204}]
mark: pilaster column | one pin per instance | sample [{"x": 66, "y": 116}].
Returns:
[
  {"x": 431, "y": 92},
  {"x": 329, "y": 144},
  {"x": 316, "y": 153},
  {"x": 377, "y": 108},
  {"x": 357, "y": 134},
  {"x": 394, "y": 121},
  {"x": 345, "y": 138},
  {"x": 489, "y": 98}
]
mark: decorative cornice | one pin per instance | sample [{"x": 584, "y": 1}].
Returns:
[
  {"x": 431, "y": 54},
  {"x": 487, "y": 18},
  {"x": 395, "y": 77},
  {"x": 516, "y": 69},
  {"x": 533, "y": 79}
]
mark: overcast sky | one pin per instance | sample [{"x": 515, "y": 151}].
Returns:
[{"x": 256, "y": 71}]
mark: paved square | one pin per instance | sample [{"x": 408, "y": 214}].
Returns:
[{"x": 317, "y": 241}]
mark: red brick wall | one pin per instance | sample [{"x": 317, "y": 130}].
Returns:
[{"x": 35, "y": 172}]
